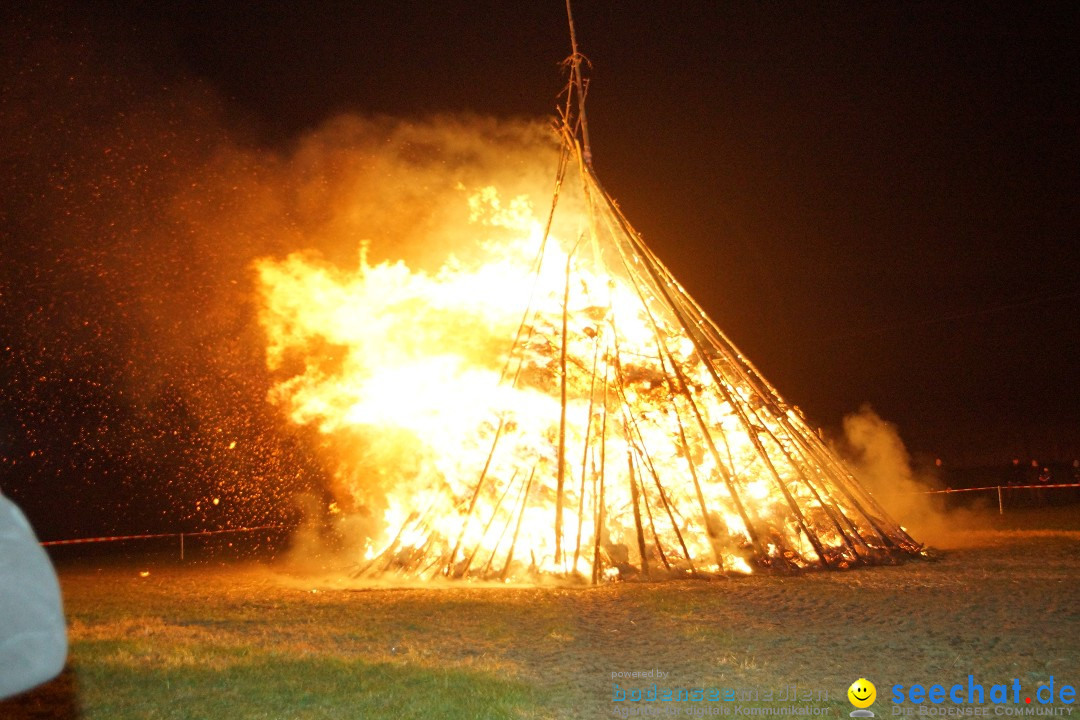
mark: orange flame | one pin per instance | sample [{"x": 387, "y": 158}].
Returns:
[{"x": 534, "y": 411}]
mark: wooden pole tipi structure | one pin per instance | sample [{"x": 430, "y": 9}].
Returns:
[{"x": 670, "y": 455}]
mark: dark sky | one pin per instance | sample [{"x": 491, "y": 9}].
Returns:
[{"x": 877, "y": 201}]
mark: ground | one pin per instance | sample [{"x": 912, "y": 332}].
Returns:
[{"x": 259, "y": 641}]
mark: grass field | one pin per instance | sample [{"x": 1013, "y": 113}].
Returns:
[{"x": 256, "y": 641}]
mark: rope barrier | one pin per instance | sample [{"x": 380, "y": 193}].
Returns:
[
  {"x": 196, "y": 533},
  {"x": 115, "y": 538},
  {"x": 1001, "y": 487}
]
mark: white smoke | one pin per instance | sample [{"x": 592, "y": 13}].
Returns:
[{"x": 877, "y": 455}]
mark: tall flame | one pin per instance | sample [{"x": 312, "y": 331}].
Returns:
[{"x": 545, "y": 408}]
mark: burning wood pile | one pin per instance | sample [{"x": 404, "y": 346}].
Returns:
[
  {"x": 560, "y": 407},
  {"x": 603, "y": 427}
]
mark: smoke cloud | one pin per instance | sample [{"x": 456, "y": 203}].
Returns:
[
  {"x": 134, "y": 362},
  {"x": 877, "y": 455}
]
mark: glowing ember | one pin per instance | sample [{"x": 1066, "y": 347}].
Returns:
[{"x": 557, "y": 405}]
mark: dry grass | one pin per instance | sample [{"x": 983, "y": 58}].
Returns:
[{"x": 255, "y": 642}]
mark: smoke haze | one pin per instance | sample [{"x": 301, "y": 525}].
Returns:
[
  {"x": 134, "y": 361},
  {"x": 877, "y": 455}
]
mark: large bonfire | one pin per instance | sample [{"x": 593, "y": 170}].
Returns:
[{"x": 556, "y": 405}]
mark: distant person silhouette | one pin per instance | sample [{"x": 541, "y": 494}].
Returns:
[{"x": 33, "y": 635}]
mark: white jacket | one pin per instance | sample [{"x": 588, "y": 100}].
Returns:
[{"x": 33, "y": 635}]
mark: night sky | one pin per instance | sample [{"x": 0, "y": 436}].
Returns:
[{"x": 878, "y": 202}]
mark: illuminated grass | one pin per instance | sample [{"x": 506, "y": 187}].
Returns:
[
  {"x": 250, "y": 642},
  {"x": 268, "y": 686}
]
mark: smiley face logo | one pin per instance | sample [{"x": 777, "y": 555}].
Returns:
[{"x": 862, "y": 693}]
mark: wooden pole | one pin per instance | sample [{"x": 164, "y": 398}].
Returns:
[
  {"x": 560, "y": 481},
  {"x": 475, "y": 497},
  {"x": 575, "y": 61},
  {"x": 637, "y": 512},
  {"x": 487, "y": 527},
  {"x": 710, "y": 529},
  {"x": 601, "y": 508},
  {"x": 585, "y": 452},
  {"x": 639, "y": 446},
  {"x": 517, "y": 528},
  {"x": 652, "y": 526},
  {"x": 502, "y": 534}
]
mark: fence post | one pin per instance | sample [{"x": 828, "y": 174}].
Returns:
[
  {"x": 1001, "y": 507},
  {"x": 182, "y": 538}
]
